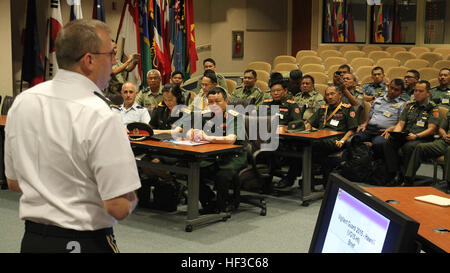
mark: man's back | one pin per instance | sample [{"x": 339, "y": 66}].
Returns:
[{"x": 55, "y": 137}]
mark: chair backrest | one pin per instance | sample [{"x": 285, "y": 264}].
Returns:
[
  {"x": 115, "y": 98},
  {"x": 319, "y": 77},
  {"x": 302, "y": 53},
  {"x": 443, "y": 112},
  {"x": 361, "y": 61},
  {"x": 331, "y": 71},
  {"x": 321, "y": 88},
  {"x": 334, "y": 60},
  {"x": 330, "y": 53},
  {"x": 189, "y": 97},
  {"x": 284, "y": 59},
  {"x": 262, "y": 75},
  {"x": 285, "y": 67},
  {"x": 312, "y": 68},
  {"x": 343, "y": 49},
  {"x": 442, "y": 64},
  {"x": 393, "y": 49},
  {"x": 351, "y": 55},
  {"x": 434, "y": 82},
  {"x": 386, "y": 63},
  {"x": 364, "y": 115},
  {"x": 419, "y": 50},
  {"x": 428, "y": 73},
  {"x": 431, "y": 57},
  {"x": 396, "y": 72},
  {"x": 325, "y": 47},
  {"x": 365, "y": 79},
  {"x": 376, "y": 55},
  {"x": 260, "y": 66},
  {"x": 231, "y": 85},
  {"x": 263, "y": 86},
  {"x": 416, "y": 63},
  {"x": 370, "y": 48},
  {"x": 7, "y": 104},
  {"x": 364, "y": 71},
  {"x": 443, "y": 50},
  {"x": 403, "y": 56},
  {"x": 309, "y": 60}
]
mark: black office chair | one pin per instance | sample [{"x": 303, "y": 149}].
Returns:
[{"x": 7, "y": 104}]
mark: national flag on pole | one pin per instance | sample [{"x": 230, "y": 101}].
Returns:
[
  {"x": 387, "y": 24},
  {"x": 397, "y": 29},
  {"x": 340, "y": 24},
  {"x": 98, "y": 10},
  {"x": 327, "y": 26},
  {"x": 191, "y": 52},
  {"x": 128, "y": 37},
  {"x": 75, "y": 9},
  {"x": 146, "y": 58},
  {"x": 335, "y": 27},
  {"x": 379, "y": 29},
  {"x": 178, "y": 35},
  {"x": 54, "y": 26},
  {"x": 32, "y": 67},
  {"x": 163, "y": 63},
  {"x": 349, "y": 26}
]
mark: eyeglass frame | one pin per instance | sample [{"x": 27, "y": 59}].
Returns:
[{"x": 111, "y": 53}]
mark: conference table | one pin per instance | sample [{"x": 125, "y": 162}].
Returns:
[
  {"x": 434, "y": 220},
  {"x": 191, "y": 157},
  {"x": 305, "y": 140}
]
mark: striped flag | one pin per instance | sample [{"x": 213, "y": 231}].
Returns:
[
  {"x": 98, "y": 10},
  {"x": 128, "y": 41},
  {"x": 146, "y": 58},
  {"x": 162, "y": 62},
  {"x": 75, "y": 9},
  {"x": 191, "y": 52},
  {"x": 178, "y": 35},
  {"x": 54, "y": 26}
]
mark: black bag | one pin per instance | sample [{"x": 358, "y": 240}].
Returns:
[
  {"x": 167, "y": 195},
  {"x": 356, "y": 164},
  {"x": 379, "y": 175}
]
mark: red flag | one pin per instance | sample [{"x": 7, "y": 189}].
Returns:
[
  {"x": 161, "y": 52},
  {"x": 350, "y": 27},
  {"x": 32, "y": 66},
  {"x": 55, "y": 25},
  {"x": 191, "y": 52}
]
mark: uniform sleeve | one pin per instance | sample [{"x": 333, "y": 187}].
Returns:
[
  {"x": 404, "y": 113},
  {"x": 314, "y": 119},
  {"x": 111, "y": 159},
  {"x": 296, "y": 114},
  {"x": 434, "y": 116},
  {"x": 140, "y": 98},
  {"x": 10, "y": 171},
  {"x": 145, "y": 116},
  {"x": 154, "y": 118},
  {"x": 352, "y": 121}
]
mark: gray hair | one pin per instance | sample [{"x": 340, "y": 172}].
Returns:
[
  {"x": 77, "y": 38},
  {"x": 154, "y": 71}
]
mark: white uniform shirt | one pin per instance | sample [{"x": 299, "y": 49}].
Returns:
[
  {"x": 69, "y": 152},
  {"x": 135, "y": 113}
]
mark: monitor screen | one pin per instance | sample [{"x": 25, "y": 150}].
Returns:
[{"x": 351, "y": 220}]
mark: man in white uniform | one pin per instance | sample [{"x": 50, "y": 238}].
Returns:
[
  {"x": 75, "y": 182},
  {"x": 130, "y": 110}
]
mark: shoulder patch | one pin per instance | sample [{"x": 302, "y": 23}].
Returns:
[{"x": 346, "y": 105}]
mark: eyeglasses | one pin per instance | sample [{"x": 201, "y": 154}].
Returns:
[{"x": 111, "y": 54}]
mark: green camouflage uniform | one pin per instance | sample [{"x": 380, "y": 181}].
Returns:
[
  {"x": 288, "y": 110},
  {"x": 311, "y": 101},
  {"x": 242, "y": 93},
  {"x": 147, "y": 98},
  {"x": 441, "y": 95}
]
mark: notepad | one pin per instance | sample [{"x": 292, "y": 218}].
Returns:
[{"x": 434, "y": 199}]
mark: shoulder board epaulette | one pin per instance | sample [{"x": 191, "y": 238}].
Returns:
[
  {"x": 290, "y": 101},
  {"x": 411, "y": 103},
  {"x": 145, "y": 90},
  {"x": 206, "y": 111},
  {"x": 346, "y": 105},
  {"x": 186, "y": 110},
  {"x": 160, "y": 104},
  {"x": 113, "y": 106},
  {"x": 268, "y": 100},
  {"x": 323, "y": 106},
  {"x": 139, "y": 107},
  {"x": 432, "y": 103},
  {"x": 233, "y": 113},
  {"x": 359, "y": 91}
]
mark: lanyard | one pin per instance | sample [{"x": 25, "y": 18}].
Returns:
[{"x": 332, "y": 114}]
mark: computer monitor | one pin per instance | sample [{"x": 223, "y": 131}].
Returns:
[{"x": 352, "y": 220}]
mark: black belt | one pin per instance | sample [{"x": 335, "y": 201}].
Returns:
[{"x": 64, "y": 232}]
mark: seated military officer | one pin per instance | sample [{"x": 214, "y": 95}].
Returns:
[
  {"x": 335, "y": 116},
  {"x": 151, "y": 96},
  {"x": 412, "y": 76},
  {"x": 130, "y": 110},
  {"x": 430, "y": 150},
  {"x": 350, "y": 94},
  {"x": 249, "y": 90},
  {"x": 376, "y": 88},
  {"x": 220, "y": 126},
  {"x": 210, "y": 64},
  {"x": 308, "y": 98},
  {"x": 169, "y": 110},
  {"x": 295, "y": 82},
  {"x": 440, "y": 94},
  {"x": 383, "y": 116},
  {"x": 208, "y": 82},
  {"x": 288, "y": 109},
  {"x": 419, "y": 120}
]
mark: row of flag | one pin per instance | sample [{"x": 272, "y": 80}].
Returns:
[
  {"x": 387, "y": 24},
  {"x": 338, "y": 27},
  {"x": 149, "y": 27}
]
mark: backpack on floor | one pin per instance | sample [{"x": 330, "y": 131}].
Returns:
[{"x": 356, "y": 164}]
